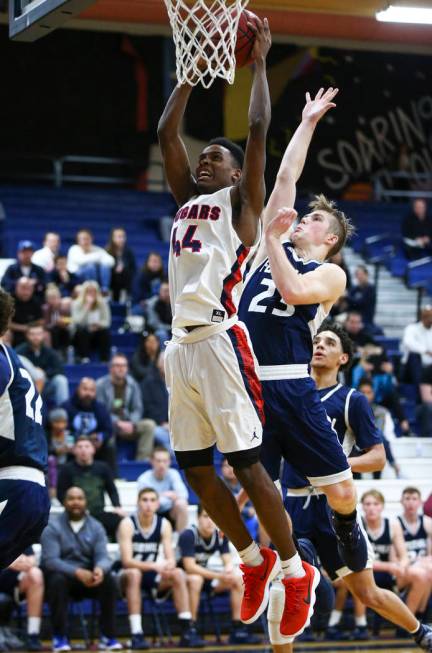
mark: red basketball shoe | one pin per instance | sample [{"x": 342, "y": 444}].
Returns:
[
  {"x": 299, "y": 602},
  {"x": 256, "y": 582}
]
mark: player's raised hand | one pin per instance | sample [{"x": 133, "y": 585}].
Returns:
[
  {"x": 263, "y": 40},
  {"x": 315, "y": 109},
  {"x": 283, "y": 220}
]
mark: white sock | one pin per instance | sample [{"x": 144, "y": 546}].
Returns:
[
  {"x": 413, "y": 632},
  {"x": 251, "y": 555},
  {"x": 135, "y": 624},
  {"x": 185, "y": 615},
  {"x": 293, "y": 567},
  {"x": 361, "y": 621},
  {"x": 33, "y": 625},
  {"x": 335, "y": 617}
]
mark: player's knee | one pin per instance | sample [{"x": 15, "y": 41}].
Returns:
[
  {"x": 341, "y": 494},
  {"x": 195, "y": 582},
  {"x": 35, "y": 577},
  {"x": 371, "y": 597},
  {"x": 181, "y": 504},
  {"x": 132, "y": 576},
  {"x": 178, "y": 576}
]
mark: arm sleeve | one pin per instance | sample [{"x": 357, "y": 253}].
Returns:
[
  {"x": 110, "y": 487},
  {"x": 5, "y": 373},
  {"x": 362, "y": 422},
  {"x": 178, "y": 486},
  {"x": 101, "y": 557},
  {"x": 51, "y": 553},
  {"x": 186, "y": 544}
]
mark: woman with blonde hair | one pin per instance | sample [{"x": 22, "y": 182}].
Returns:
[{"x": 91, "y": 319}]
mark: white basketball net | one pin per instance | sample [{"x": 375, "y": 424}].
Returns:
[{"x": 205, "y": 33}]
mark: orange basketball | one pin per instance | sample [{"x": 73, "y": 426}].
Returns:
[{"x": 245, "y": 39}]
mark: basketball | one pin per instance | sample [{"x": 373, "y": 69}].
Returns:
[{"x": 245, "y": 39}]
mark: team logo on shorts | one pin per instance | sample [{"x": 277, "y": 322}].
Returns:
[{"x": 254, "y": 437}]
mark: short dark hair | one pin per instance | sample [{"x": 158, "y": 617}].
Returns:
[
  {"x": 236, "y": 151},
  {"x": 346, "y": 342},
  {"x": 365, "y": 382},
  {"x": 160, "y": 449},
  {"x": 148, "y": 490},
  {"x": 7, "y": 309},
  {"x": 411, "y": 490}
]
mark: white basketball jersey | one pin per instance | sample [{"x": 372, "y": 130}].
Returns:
[{"x": 207, "y": 261}]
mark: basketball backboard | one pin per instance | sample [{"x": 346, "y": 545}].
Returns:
[{"x": 31, "y": 19}]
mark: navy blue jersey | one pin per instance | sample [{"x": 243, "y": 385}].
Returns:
[
  {"x": 352, "y": 418},
  {"x": 22, "y": 436},
  {"x": 416, "y": 543},
  {"x": 381, "y": 543},
  {"x": 145, "y": 544},
  {"x": 193, "y": 545},
  {"x": 281, "y": 334}
]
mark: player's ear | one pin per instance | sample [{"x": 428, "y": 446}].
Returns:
[
  {"x": 236, "y": 175},
  {"x": 344, "y": 358},
  {"x": 331, "y": 239}
]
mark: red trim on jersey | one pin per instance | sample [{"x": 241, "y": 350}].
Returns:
[
  {"x": 253, "y": 382},
  {"x": 232, "y": 280}
]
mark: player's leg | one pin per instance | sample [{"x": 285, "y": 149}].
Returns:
[
  {"x": 418, "y": 586},
  {"x": 195, "y": 583},
  {"x": 176, "y": 580},
  {"x": 130, "y": 582},
  {"x": 311, "y": 444},
  {"x": 31, "y": 584}
]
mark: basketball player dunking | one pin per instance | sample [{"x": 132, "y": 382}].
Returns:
[
  {"x": 288, "y": 294},
  {"x": 24, "y": 500},
  {"x": 211, "y": 372}
]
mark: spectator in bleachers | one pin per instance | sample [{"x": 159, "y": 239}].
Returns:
[
  {"x": 25, "y": 268},
  {"x": 417, "y": 532},
  {"x": 60, "y": 445},
  {"x": 96, "y": 479},
  {"x": 28, "y": 310},
  {"x": 77, "y": 565},
  {"x": 155, "y": 402},
  {"x": 124, "y": 268},
  {"x": 90, "y": 262},
  {"x": 140, "y": 537},
  {"x": 173, "y": 493},
  {"x": 87, "y": 416},
  {"x": 57, "y": 319},
  {"x": 375, "y": 367},
  {"x": 197, "y": 545},
  {"x": 361, "y": 297},
  {"x": 65, "y": 281},
  {"x": 56, "y": 389},
  {"x": 121, "y": 394},
  {"x": 417, "y": 349},
  {"x": 391, "y": 566},
  {"x": 417, "y": 230},
  {"x": 159, "y": 313},
  {"x": 357, "y": 331},
  {"x": 24, "y": 579},
  {"x": 91, "y": 320},
  {"x": 248, "y": 511},
  {"x": 148, "y": 282},
  {"x": 45, "y": 257},
  {"x": 384, "y": 422},
  {"x": 144, "y": 359},
  {"x": 338, "y": 259}
]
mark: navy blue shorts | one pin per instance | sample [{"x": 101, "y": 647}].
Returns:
[
  {"x": 298, "y": 429},
  {"x": 24, "y": 507},
  {"x": 314, "y": 523},
  {"x": 8, "y": 581}
]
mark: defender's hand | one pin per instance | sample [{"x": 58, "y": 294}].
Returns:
[{"x": 315, "y": 109}]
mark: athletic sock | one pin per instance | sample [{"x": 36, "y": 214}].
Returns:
[
  {"x": 251, "y": 555},
  {"x": 135, "y": 624},
  {"x": 361, "y": 622},
  {"x": 293, "y": 568},
  {"x": 33, "y": 625},
  {"x": 335, "y": 617}
]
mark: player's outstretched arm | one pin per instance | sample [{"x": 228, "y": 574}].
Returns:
[
  {"x": 294, "y": 158},
  {"x": 249, "y": 195},
  {"x": 175, "y": 158},
  {"x": 324, "y": 285}
]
